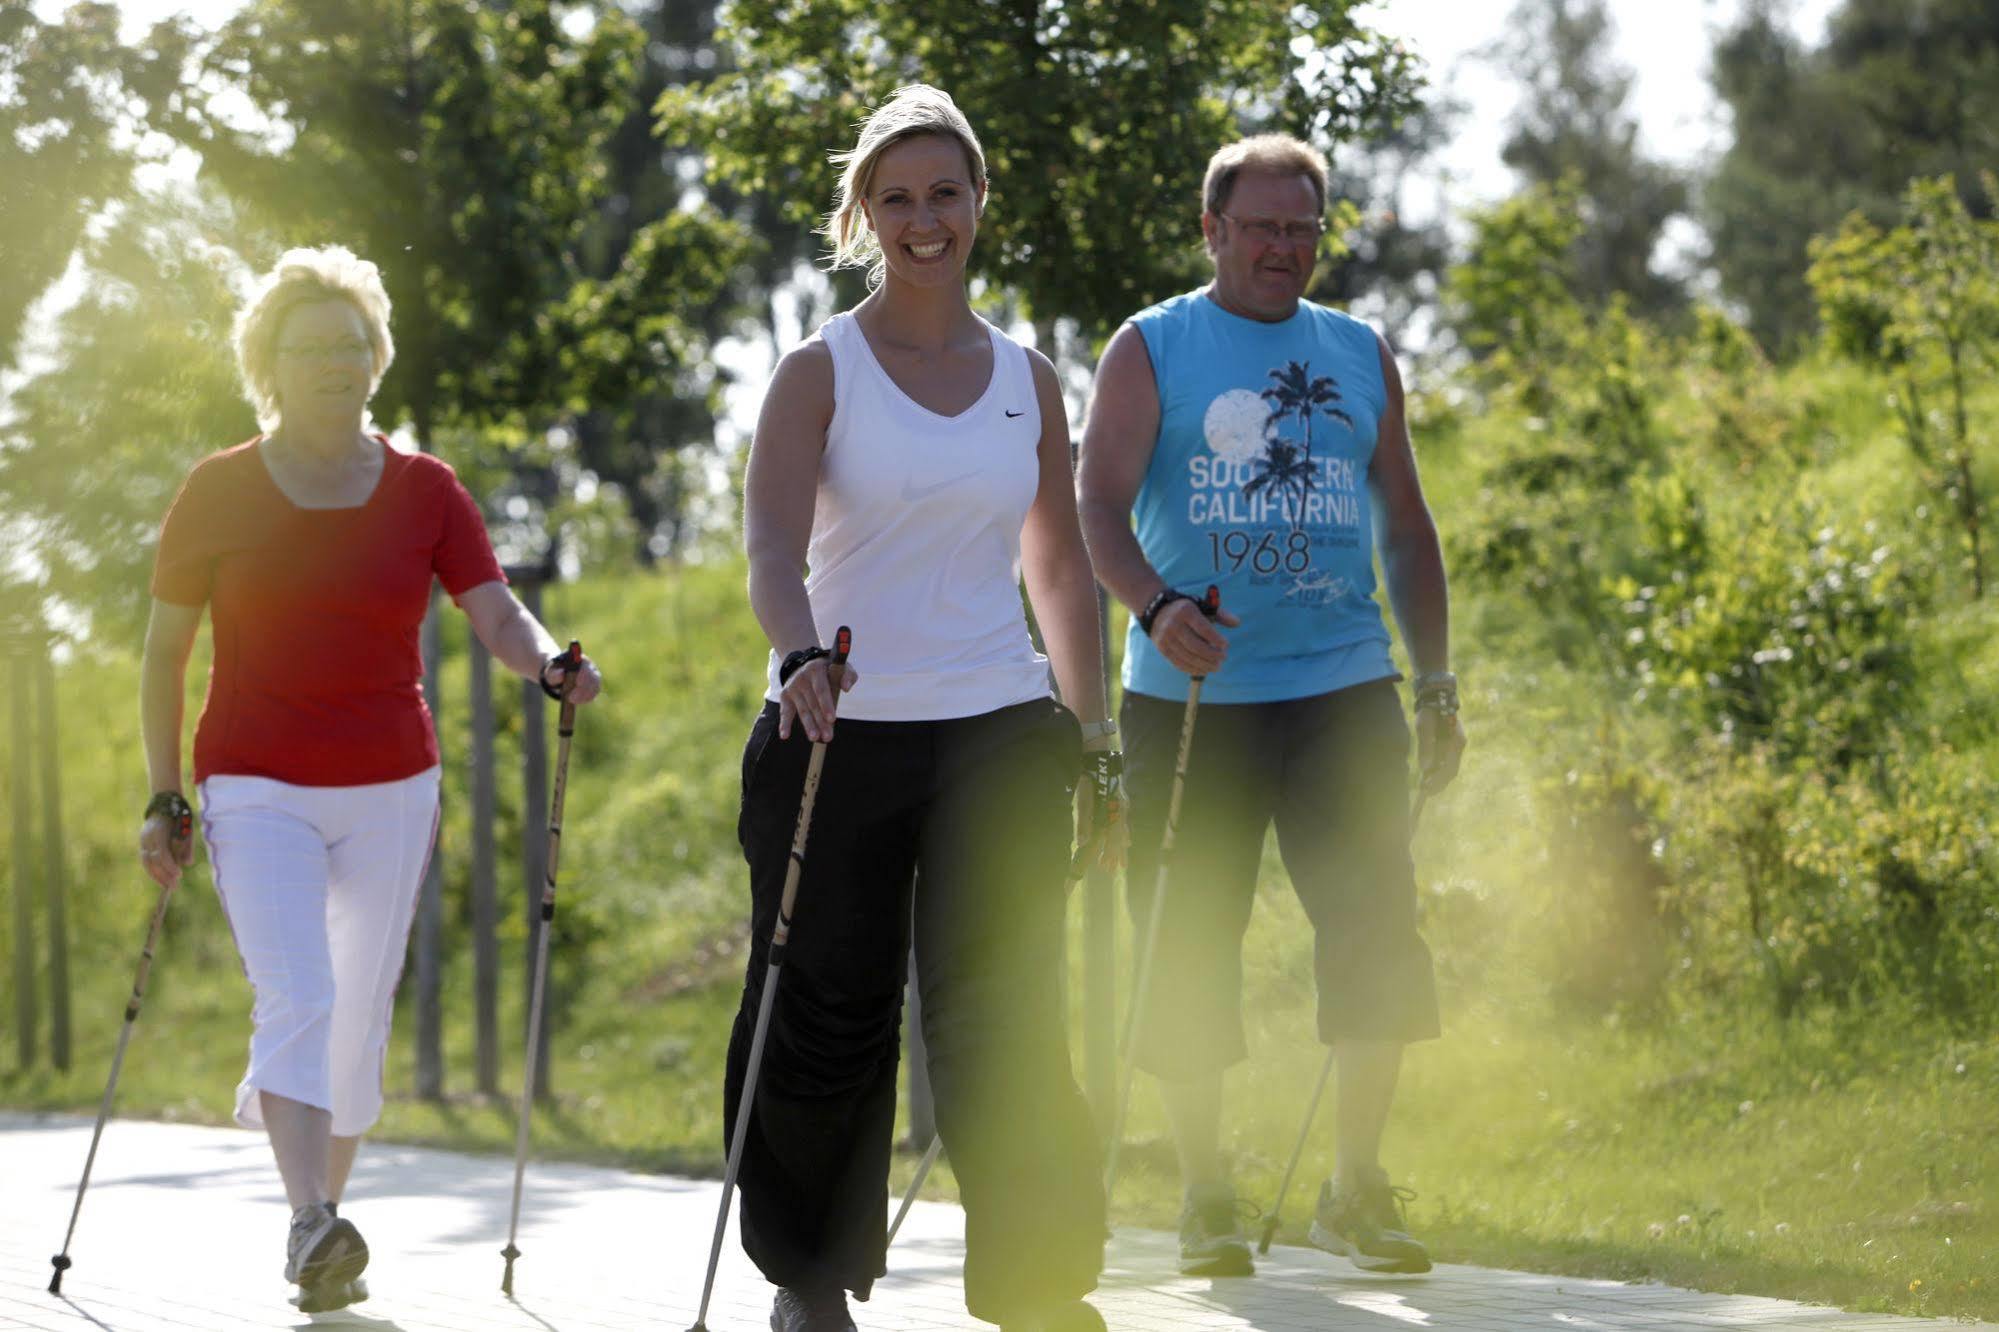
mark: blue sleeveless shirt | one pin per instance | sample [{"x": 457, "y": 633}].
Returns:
[{"x": 1258, "y": 484}]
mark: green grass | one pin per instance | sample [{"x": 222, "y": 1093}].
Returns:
[{"x": 1838, "y": 1158}]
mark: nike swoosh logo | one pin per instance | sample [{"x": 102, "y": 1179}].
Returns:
[
  {"x": 910, "y": 492},
  {"x": 1016, "y": 413}
]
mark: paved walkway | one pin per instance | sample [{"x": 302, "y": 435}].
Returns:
[{"x": 184, "y": 1228}]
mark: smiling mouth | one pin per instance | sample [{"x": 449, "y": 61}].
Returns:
[{"x": 930, "y": 250}]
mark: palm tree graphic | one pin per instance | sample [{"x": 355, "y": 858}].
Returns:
[{"x": 1286, "y": 468}]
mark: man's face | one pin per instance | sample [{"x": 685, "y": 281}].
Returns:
[{"x": 1265, "y": 242}]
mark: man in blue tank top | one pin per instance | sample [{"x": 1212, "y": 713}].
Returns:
[{"x": 1259, "y": 440}]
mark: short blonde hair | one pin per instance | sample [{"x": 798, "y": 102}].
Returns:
[
  {"x": 307, "y": 277},
  {"x": 914, "y": 110},
  {"x": 1275, "y": 154}
]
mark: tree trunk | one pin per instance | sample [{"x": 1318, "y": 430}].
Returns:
[{"x": 485, "y": 946}]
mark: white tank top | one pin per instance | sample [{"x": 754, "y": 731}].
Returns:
[{"x": 916, "y": 539}]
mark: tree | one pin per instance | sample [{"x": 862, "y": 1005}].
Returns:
[
  {"x": 1920, "y": 302},
  {"x": 459, "y": 145},
  {"x": 143, "y": 383},
  {"x": 69, "y": 93},
  {"x": 1393, "y": 267},
  {"x": 1097, "y": 119},
  {"x": 1572, "y": 125},
  {"x": 1899, "y": 89}
]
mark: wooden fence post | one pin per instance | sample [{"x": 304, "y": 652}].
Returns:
[
  {"x": 53, "y": 885},
  {"x": 430, "y": 903},
  {"x": 24, "y": 870},
  {"x": 485, "y": 946}
]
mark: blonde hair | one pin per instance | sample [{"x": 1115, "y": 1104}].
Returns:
[
  {"x": 307, "y": 277},
  {"x": 1277, "y": 154},
  {"x": 911, "y": 111}
]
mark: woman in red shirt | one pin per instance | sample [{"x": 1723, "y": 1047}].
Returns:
[{"x": 314, "y": 546}]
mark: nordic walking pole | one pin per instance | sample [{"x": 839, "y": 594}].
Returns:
[
  {"x": 1312, "y": 1108},
  {"x": 565, "y": 728},
  {"x": 1211, "y": 605},
  {"x": 61, "y": 1261},
  {"x": 843, "y": 642},
  {"x": 916, "y": 1185}
]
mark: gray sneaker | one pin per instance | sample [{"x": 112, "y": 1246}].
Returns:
[
  {"x": 1211, "y": 1238},
  {"x": 1366, "y": 1226},
  {"x": 323, "y": 1250}
]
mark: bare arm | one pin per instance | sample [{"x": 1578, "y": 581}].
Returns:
[
  {"x": 1118, "y": 440},
  {"x": 1406, "y": 536},
  {"x": 162, "y": 678},
  {"x": 1413, "y": 561},
  {"x": 1055, "y": 564},
  {"x": 779, "y": 491},
  {"x": 517, "y": 639}
]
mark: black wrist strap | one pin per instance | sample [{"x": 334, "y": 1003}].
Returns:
[
  {"x": 172, "y": 805},
  {"x": 1165, "y": 597},
  {"x": 793, "y": 661}
]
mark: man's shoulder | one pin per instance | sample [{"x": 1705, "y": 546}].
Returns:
[
  {"x": 1338, "y": 320},
  {"x": 1172, "y": 308}
]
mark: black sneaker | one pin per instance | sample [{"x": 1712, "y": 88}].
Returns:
[
  {"x": 815, "y": 1311},
  {"x": 322, "y": 1249},
  {"x": 1366, "y": 1225},
  {"x": 1211, "y": 1238}
]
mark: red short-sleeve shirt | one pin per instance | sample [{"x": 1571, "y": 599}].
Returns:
[{"x": 317, "y": 678}]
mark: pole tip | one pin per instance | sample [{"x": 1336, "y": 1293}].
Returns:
[
  {"x": 61, "y": 1264},
  {"x": 507, "y": 1278}
]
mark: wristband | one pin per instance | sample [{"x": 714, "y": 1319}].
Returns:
[
  {"x": 1165, "y": 597},
  {"x": 1437, "y": 691},
  {"x": 561, "y": 659},
  {"x": 172, "y": 805},
  {"x": 794, "y": 660},
  {"x": 1097, "y": 730}
]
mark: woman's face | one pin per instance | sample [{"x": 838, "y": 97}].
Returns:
[
  {"x": 325, "y": 364},
  {"x": 924, "y": 207}
]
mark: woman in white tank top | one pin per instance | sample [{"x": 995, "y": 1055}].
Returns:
[{"x": 910, "y": 471}]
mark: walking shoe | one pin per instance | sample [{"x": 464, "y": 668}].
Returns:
[
  {"x": 1211, "y": 1238},
  {"x": 1366, "y": 1225},
  {"x": 325, "y": 1299},
  {"x": 323, "y": 1250},
  {"x": 814, "y": 1311},
  {"x": 1068, "y": 1316}
]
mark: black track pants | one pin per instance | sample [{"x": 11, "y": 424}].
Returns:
[{"x": 969, "y": 820}]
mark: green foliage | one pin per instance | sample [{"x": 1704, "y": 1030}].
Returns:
[
  {"x": 461, "y": 147},
  {"x": 144, "y": 384},
  {"x": 1899, "y": 88},
  {"x": 69, "y": 97},
  {"x": 1920, "y": 302},
  {"x": 1097, "y": 118}
]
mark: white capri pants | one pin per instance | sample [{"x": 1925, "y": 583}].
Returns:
[{"x": 319, "y": 884}]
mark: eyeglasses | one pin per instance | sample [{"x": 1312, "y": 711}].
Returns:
[
  {"x": 347, "y": 349},
  {"x": 1271, "y": 232}
]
